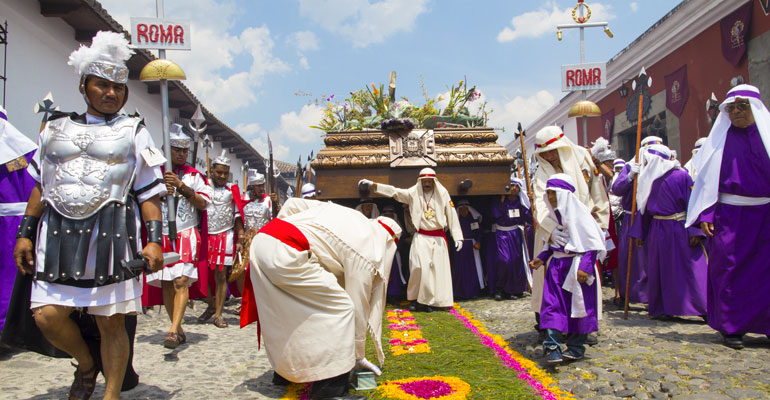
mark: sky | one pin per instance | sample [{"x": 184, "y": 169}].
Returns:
[{"x": 269, "y": 66}]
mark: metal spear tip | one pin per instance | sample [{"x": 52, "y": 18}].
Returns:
[
  {"x": 713, "y": 96},
  {"x": 519, "y": 127},
  {"x": 198, "y": 116},
  {"x": 642, "y": 72}
]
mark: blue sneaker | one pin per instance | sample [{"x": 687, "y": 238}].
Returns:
[
  {"x": 554, "y": 356},
  {"x": 571, "y": 355}
]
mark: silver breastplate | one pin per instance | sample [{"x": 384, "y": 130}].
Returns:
[
  {"x": 221, "y": 213},
  {"x": 85, "y": 166},
  {"x": 186, "y": 214},
  {"x": 256, "y": 214}
]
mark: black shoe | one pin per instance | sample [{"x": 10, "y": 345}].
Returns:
[
  {"x": 663, "y": 317},
  {"x": 330, "y": 388},
  {"x": 733, "y": 341},
  {"x": 498, "y": 295},
  {"x": 570, "y": 355},
  {"x": 413, "y": 305},
  {"x": 278, "y": 380},
  {"x": 517, "y": 295},
  {"x": 554, "y": 357}
]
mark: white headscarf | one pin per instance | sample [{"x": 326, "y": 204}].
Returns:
[
  {"x": 570, "y": 156},
  {"x": 13, "y": 144},
  {"x": 523, "y": 198},
  {"x": 474, "y": 214},
  {"x": 375, "y": 209},
  {"x": 708, "y": 161},
  {"x": 417, "y": 197},
  {"x": 656, "y": 162},
  {"x": 584, "y": 235}
]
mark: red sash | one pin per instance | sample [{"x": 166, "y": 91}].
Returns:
[{"x": 434, "y": 233}]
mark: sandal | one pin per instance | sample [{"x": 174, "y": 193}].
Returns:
[
  {"x": 182, "y": 337},
  {"x": 171, "y": 341},
  {"x": 206, "y": 315},
  {"x": 219, "y": 322},
  {"x": 82, "y": 388}
]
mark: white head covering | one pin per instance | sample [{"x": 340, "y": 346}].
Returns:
[
  {"x": 584, "y": 234},
  {"x": 602, "y": 151},
  {"x": 105, "y": 58},
  {"x": 177, "y": 137},
  {"x": 570, "y": 155},
  {"x": 253, "y": 177},
  {"x": 13, "y": 144},
  {"x": 375, "y": 209},
  {"x": 307, "y": 190},
  {"x": 708, "y": 161},
  {"x": 418, "y": 197},
  {"x": 698, "y": 145},
  {"x": 523, "y": 198},
  {"x": 651, "y": 140},
  {"x": 474, "y": 213},
  {"x": 656, "y": 162},
  {"x": 619, "y": 162},
  {"x": 222, "y": 159}
]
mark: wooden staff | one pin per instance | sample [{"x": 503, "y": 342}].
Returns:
[{"x": 633, "y": 202}]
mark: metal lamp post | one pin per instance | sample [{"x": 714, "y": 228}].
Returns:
[{"x": 581, "y": 13}]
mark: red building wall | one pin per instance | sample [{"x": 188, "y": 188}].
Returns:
[{"x": 707, "y": 71}]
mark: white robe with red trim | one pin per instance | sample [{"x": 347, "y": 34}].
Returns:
[{"x": 317, "y": 302}]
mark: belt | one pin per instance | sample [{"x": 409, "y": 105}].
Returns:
[
  {"x": 12, "y": 209},
  {"x": 434, "y": 233},
  {"x": 559, "y": 254},
  {"x": 497, "y": 227},
  {"x": 736, "y": 200},
  {"x": 627, "y": 211},
  {"x": 680, "y": 216}
]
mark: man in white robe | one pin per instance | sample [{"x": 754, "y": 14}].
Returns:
[
  {"x": 431, "y": 211},
  {"x": 319, "y": 275},
  {"x": 557, "y": 154}
]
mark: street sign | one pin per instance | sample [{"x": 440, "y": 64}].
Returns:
[
  {"x": 160, "y": 33},
  {"x": 589, "y": 76}
]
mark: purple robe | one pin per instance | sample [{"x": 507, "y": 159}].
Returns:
[
  {"x": 557, "y": 302},
  {"x": 739, "y": 270},
  {"x": 504, "y": 252},
  {"x": 465, "y": 276},
  {"x": 15, "y": 188},
  {"x": 397, "y": 285},
  {"x": 676, "y": 271},
  {"x": 624, "y": 187}
]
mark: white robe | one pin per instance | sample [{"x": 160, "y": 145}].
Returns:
[
  {"x": 316, "y": 306},
  {"x": 430, "y": 282}
]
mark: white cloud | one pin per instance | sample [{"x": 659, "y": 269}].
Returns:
[
  {"x": 362, "y": 22},
  {"x": 303, "y": 62},
  {"x": 294, "y": 129},
  {"x": 634, "y": 6},
  {"x": 508, "y": 113},
  {"x": 210, "y": 66},
  {"x": 543, "y": 21},
  {"x": 303, "y": 40}
]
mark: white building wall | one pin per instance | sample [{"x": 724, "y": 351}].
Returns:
[{"x": 37, "y": 54}]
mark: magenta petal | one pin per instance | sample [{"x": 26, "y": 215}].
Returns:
[{"x": 426, "y": 388}]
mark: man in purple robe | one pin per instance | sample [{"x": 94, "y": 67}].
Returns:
[
  {"x": 674, "y": 256},
  {"x": 16, "y": 150},
  {"x": 731, "y": 203},
  {"x": 467, "y": 274},
  {"x": 507, "y": 252},
  {"x": 623, "y": 186}
]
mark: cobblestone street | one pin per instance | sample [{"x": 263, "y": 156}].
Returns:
[{"x": 635, "y": 358}]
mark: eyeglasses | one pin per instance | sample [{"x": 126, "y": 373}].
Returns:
[{"x": 740, "y": 106}]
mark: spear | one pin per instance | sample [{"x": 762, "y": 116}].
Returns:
[
  {"x": 197, "y": 127},
  {"x": 244, "y": 171},
  {"x": 271, "y": 176},
  {"x": 46, "y": 107},
  {"x": 299, "y": 177},
  {"x": 520, "y": 135},
  {"x": 309, "y": 167},
  {"x": 644, "y": 81}
]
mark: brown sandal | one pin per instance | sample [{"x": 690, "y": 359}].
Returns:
[
  {"x": 219, "y": 322},
  {"x": 171, "y": 341},
  {"x": 82, "y": 388},
  {"x": 206, "y": 315},
  {"x": 182, "y": 337}
]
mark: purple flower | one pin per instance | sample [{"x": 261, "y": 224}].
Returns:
[{"x": 426, "y": 388}]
